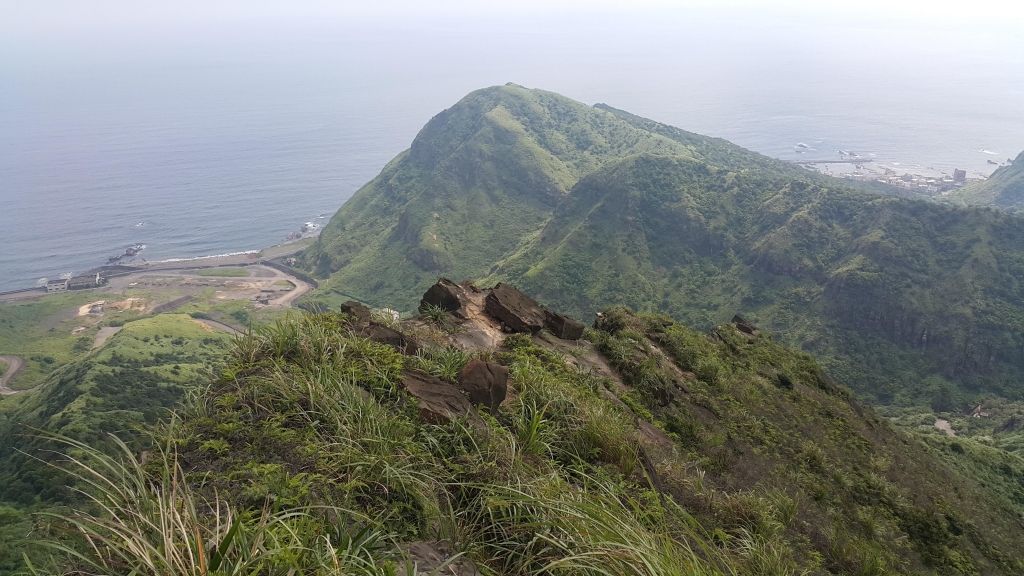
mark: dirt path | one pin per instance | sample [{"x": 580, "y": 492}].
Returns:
[
  {"x": 103, "y": 334},
  {"x": 945, "y": 427},
  {"x": 14, "y": 365}
]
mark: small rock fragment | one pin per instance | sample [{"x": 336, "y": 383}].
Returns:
[
  {"x": 563, "y": 326},
  {"x": 391, "y": 337},
  {"x": 486, "y": 383},
  {"x": 438, "y": 402}
]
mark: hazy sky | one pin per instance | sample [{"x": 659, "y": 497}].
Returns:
[{"x": 22, "y": 20}]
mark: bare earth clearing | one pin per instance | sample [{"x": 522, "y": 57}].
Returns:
[{"x": 945, "y": 427}]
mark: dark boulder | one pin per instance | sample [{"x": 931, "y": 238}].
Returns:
[
  {"x": 360, "y": 314},
  {"x": 446, "y": 295},
  {"x": 516, "y": 310},
  {"x": 437, "y": 401},
  {"x": 391, "y": 337},
  {"x": 563, "y": 326},
  {"x": 486, "y": 383},
  {"x": 745, "y": 326}
]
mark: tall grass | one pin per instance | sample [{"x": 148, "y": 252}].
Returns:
[
  {"x": 148, "y": 520},
  {"x": 551, "y": 528}
]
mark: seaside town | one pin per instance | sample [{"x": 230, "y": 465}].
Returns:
[{"x": 920, "y": 180}]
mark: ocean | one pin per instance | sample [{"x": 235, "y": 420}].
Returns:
[{"x": 215, "y": 137}]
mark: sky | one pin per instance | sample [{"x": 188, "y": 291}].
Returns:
[{"x": 39, "y": 19}]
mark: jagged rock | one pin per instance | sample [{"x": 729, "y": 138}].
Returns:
[
  {"x": 745, "y": 326},
  {"x": 486, "y": 383},
  {"x": 359, "y": 313},
  {"x": 391, "y": 337},
  {"x": 516, "y": 310},
  {"x": 438, "y": 402},
  {"x": 431, "y": 558},
  {"x": 563, "y": 326},
  {"x": 447, "y": 295}
]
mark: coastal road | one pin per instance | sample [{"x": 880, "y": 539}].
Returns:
[
  {"x": 14, "y": 365},
  {"x": 300, "y": 288}
]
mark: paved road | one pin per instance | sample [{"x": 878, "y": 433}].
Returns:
[
  {"x": 300, "y": 289},
  {"x": 221, "y": 325},
  {"x": 103, "y": 334},
  {"x": 14, "y": 365}
]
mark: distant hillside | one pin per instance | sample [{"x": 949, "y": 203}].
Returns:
[
  {"x": 908, "y": 301},
  {"x": 1003, "y": 190}
]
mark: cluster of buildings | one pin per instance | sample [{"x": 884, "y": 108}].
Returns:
[
  {"x": 74, "y": 283},
  {"x": 926, "y": 184}
]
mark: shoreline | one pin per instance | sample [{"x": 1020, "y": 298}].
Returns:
[{"x": 243, "y": 258}]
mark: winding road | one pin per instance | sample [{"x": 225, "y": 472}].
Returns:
[{"x": 14, "y": 365}]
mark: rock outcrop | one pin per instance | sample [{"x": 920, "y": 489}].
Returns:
[
  {"x": 513, "y": 310},
  {"x": 745, "y": 326},
  {"x": 485, "y": 383},
  {"x": 517, "y": 311},
  {"x": 447, "y": 295}
]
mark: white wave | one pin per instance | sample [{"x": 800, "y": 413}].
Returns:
[
  {"x": 983, "y": 151},
  {"x": 205, "y": 257}
]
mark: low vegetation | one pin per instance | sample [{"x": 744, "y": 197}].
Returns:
[
  {"x": 123, "y": 389},
  {"x": 719, "y": 453}
]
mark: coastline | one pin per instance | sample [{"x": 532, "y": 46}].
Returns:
[{"x": 242, "y": 258}]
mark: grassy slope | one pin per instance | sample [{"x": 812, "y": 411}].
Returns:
[
  {"x": 1004, "y": 189},
  {"x": 886, "y": 291},
  {"x": 132, "y": 382},
  {"x": 767, "y": 466},
  {"x": 40, "y": 331}
]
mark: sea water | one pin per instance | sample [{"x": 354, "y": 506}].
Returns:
[{"x": 198, "y": 141}]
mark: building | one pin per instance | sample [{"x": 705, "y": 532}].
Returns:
[
  {"x": 59, "y": 285},
  {"x": 959, "y": 175},
  {"x": 79, "y": 282}
]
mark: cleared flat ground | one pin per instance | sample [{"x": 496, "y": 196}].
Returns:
[{"x": 259, "y": 283}]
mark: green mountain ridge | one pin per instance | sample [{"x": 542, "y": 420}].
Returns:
[
  {"x": 644, "y": 448},
  {"x": 1004, "y": 189},
  {"x": 588, "y": 206}
]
